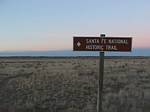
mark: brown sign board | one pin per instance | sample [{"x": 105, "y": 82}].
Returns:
[{"x": 122, "y": 44}]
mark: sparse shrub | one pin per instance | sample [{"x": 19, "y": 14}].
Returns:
[{"x": 139, "y": 71}]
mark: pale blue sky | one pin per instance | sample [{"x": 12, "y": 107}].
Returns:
[{"x": 51, "y": 24}]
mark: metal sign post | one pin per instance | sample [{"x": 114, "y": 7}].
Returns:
[
  {"x": 113, "y": 44},
  {"x": 100, "y": 79}
]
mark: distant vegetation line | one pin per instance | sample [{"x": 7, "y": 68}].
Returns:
[{"x": 66, "y": 57}]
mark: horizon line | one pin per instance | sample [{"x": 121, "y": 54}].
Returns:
[{"x": 55, "y": 50}]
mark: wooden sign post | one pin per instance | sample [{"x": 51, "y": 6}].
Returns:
[{"x": 115, "y": 44}]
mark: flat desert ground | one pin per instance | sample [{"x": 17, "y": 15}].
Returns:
[{"x": 70, "y": 84}]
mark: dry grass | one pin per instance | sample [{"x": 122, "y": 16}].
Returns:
[{"x": 70, "y": 85}]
